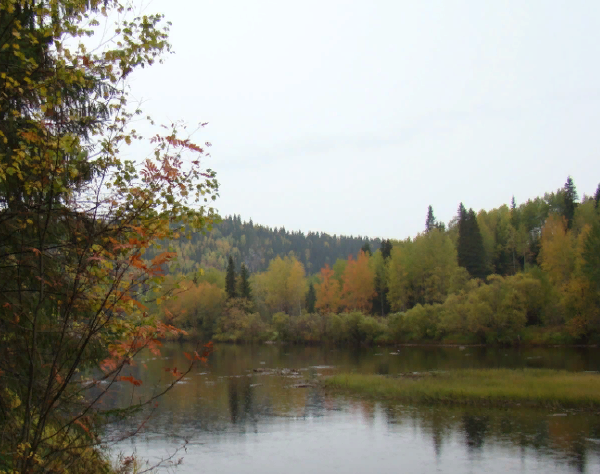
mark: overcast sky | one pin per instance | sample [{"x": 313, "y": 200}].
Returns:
[{"x": 352, "y": 117}]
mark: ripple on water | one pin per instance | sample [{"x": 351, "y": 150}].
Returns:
[{"x": 258, "y": 422}]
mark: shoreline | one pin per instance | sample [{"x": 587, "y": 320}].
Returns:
[{"x": 526, "y": 345}]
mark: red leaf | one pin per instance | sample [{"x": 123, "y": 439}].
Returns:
[
  {"x": 130, "y": 379},
  {"x": 86, "y": 429},
  {"x": 174, "y": 371}
]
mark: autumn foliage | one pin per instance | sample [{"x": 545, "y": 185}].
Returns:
[
  {"x": 328, "y": 292},
  {"x": 359, "y": 289},
  {"x": 77, "y": 221}
]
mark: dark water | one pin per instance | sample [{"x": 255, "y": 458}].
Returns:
[{"x": 238, "y": 420}]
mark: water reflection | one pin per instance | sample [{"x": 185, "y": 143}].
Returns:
[
  {"x": 475, "y": 429},
  {"x": 572, "y": 438},
  {"x": 245, "y": 411}
]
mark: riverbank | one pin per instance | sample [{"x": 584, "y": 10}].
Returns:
[
  {"x": 358, "y": 329},
  {"x": 194, "y": 337},
  {"x": 486, "y": 387}
]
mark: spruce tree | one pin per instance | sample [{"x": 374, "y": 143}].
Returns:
[
  {"x": 366, "y": 248},
  {"x": 514, "y": 214},
  {"x": 386, "y": 248},
  {"x": 245, "y": 290},
  {"x": 470, "y": 249},
  {"x": 430, "y": 222},
  {"x": 462, "y": 245},
  {"x": 477, "y": 251},
  {"x": 570, "y": 201},
  {"x": 381, "y": 304},
  {"x": 230, "y": 279},
  {"x": 311, "y": 298},
  {"x": 597, "y": 197}
]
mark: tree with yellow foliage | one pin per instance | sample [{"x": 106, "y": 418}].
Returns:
[
  {"x": 359, "y": 284},
  {"x": 557, "y": 256},
  {"x": 285, "y": 285},
  {"x": 328, "y": 292}
]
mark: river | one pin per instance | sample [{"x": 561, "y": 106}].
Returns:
[{"x": 259, "y": 409}]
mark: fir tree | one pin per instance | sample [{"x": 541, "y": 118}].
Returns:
[
  {"x": 514, "y": 214},
  {"x": 366, "y": 248},
  {"x": 381, "y": 304},
  {"x": 230, "y": 279},
  {"x": 245, "y": 291},
  {"x": 597, "y": 197},
  {"x": 430, "y": 223},
  {"x": 386, "y": 248},
  {"x": 570, "y": 201},
  {"x": 461, "y": 247},
  {"x": 471, "y": 252},
  {"x": 477, "y": 266},
  {"x": 311, "y": 298}
]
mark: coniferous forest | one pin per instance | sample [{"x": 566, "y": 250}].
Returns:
[
  {"x": 256, "y": 245},
  {"x": 519, "y": 273}
]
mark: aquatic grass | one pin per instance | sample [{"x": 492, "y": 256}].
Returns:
[{"x": 489, "y": 387}]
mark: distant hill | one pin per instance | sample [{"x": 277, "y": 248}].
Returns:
[{"x": 256, "y": 245}]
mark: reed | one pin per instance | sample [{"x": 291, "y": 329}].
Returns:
[{"x": 491, "y": 387}]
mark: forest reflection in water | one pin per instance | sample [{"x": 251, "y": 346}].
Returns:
[{"x": 243, "y": 410}]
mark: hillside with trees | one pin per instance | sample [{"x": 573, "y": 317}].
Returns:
[{"x": 256, "y": 245}]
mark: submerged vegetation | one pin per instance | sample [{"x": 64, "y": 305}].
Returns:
[{"x": 487, "y": 387}]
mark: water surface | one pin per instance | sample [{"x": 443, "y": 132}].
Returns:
[{"x": 259, "y": 409}]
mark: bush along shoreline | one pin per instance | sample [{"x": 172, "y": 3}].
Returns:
[{"x": 431, "y": 325}]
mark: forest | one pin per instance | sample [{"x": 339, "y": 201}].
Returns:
[
  {"x": 256, "y": 245},
  {"x": 526, "y": 273}
]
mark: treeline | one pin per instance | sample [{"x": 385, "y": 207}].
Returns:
[
  {"x": 256, "y": 245},
  {"x": 518, "y": 273}
]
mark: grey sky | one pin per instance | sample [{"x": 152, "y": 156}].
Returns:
[{"x": 352, "y": 117}]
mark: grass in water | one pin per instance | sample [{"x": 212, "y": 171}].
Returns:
[{"x": 499, "y": 387}]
